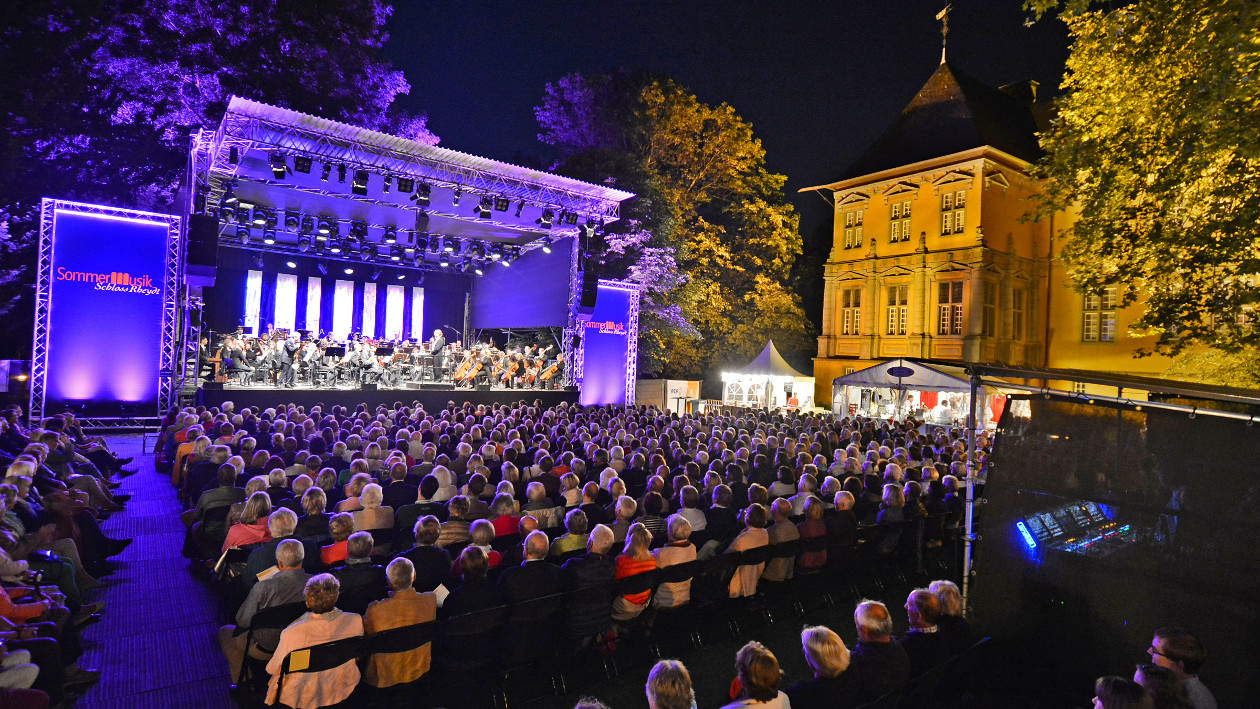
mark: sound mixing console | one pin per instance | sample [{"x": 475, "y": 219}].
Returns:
[{"x": 1078, "y": 527}]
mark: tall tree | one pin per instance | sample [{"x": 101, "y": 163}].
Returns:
[
  {"x": 708, "y": 214},
  {"x": 1157, "y": 144},
  {"x": 108, "y": 92}
]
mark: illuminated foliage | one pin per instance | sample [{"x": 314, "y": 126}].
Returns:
[
  {"x": 716, "y": 238},
  {"x": 1157, "y": 144},
  {"x": 101, "y": 95}
]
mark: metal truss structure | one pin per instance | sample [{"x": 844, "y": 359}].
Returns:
[
  {"x": 632, "y": 340},
  {"x": 43, "y": 303},
  {"x": 572, "y": 328}
]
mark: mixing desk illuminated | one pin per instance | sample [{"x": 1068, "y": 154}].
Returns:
[{"x": 1078, "y": 527}]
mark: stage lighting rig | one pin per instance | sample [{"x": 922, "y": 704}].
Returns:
[
  {"x": 242, "y": 233},
  {"x": 478, "y": 268},
  {"x": 360, "y": 184},
  {"x": 448, "y": 245},
  {"x": 422, "y": 242},
  {"x": 444, "y": 260},
  {"x": 325, "y": 171},
  {"x": 348, "y": 271},
  {"x": 334, "y": 246},
  {"x": 402, "y": 276},
  {"x": 302, "y": 165},
  {"x": 341, "y": 173},
  {"x": 502, "y": 203},
  {"x": 422, "y": 194},
  {"x": 304, "y": 243},
  {"x": 229, "y": 194},
  {"x": 326, "y": 226},
  {"x": 258, "y": 261},
  {"x": 546, "y": 245},
  {"x": 242, "y": 216},
  {"x": 571, "y": 218},
  {"x": 520, "y": 207},
  {"x": 376, "y": 273},
  {"x": 435, "y": 244},
  {"x": 269, "y": 237},
  {"x": 259, "y": 217},
  {"x": 406, "y": 185},
  {"x": 455, "y": 200},
  {"x": 279, "y": 168},
  {"x": 291, "y": 220},
  {"x": 358, "y": 231},
  {"x": 387, "y": 183},
  {"x": 496, "y": 253},
  {"x": 545, "y": 221},
  {"x": 391, "y": 235},
  {"x": 290, "y": 264},
  {"x": 367, "y": 252},
  {"x": 395, "y": 254},
  {"x": 484, "y": 207}
]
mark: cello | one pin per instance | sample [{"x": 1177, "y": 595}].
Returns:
[
  {"x": 551, "y": 371},
  {"x": 462, "y": 371}
]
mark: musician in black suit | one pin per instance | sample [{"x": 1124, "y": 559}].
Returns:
[
  {"x": 288, "y": 356},
  {"x": 436, "y": 345}
]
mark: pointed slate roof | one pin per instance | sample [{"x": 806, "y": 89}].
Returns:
[
  {"x": 953, "y": 112},
  {"x": 770, "y": 364}
]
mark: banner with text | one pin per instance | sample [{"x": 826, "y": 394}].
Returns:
[{"x": 608, "y": 350}]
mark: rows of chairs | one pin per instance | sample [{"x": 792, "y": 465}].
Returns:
[{"x": 487, "y": 655}]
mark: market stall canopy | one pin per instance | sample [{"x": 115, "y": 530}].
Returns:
[
  {"x": 769, "y": 364},
  {"x": 902, "y": 374}
]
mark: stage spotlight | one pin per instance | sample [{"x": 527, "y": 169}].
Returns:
[
  {"x": 341, "y": 173},
  {"x": 422, "y": 194},
  {"x": 326, "y": 226},
  {"x": 304, "y": 244},
  {"x": 302, "y": 165},
  {"x": 348, "y": 271},
  {"x": 242, "y": 216},
  {"x": 402, "y": 276},
  {"x": 260, "y": 217},
  {"x": 483, "y": 208},
  {"x": 323, "y": 270},
  {"x": 455, "y": 199},
  {"x": 325, "y": 171},
  {"x": 389, "y": 181},
  {"x": 478, "y": 268},
  {"x": 227, "y": 212},
  {"x": 360, "y": 184},
  {"x": 571, "y": 218},
  {"x": 395, "y": 253},
  {"x": 444, "y": 260},
  {"x": 308, "y": 225},
  {"x": 391, "y": 235},
  {"x": 448, "y": 245},
  {"x": 520, "y": 207},
  {"x": 406, "y": 185},
  {"x": 320, "y": 246},
  {"x": 496, "y": 253},
  {"x": 229, "y": 194},
  {"x": 290, "y": 264},
  {"x": 272, "y": 220},
  {"x": 279, "y": 168},
  {"x": 358, "y": 230},
  {"x": 367, "y": 252},
  {"x": 291, "y": 220},
  {"x": 501, "y": 204},
  {"x": 546, "y": 245},
  {"x": 435, "y": 244},
  {"x": 334, "y": 247},
  {"x": 422, "y": 242},
  {"x": 548, "y": 216},
  {"x": 269, "y": 237},
  {"x": 242, "y": 233}
]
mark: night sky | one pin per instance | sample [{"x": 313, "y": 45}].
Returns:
[{"x": 819, "y": 81}]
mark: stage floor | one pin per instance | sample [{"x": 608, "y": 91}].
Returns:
[{"x": 430, "y": 396}]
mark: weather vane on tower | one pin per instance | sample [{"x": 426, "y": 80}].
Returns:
[{"x": 943, "y": 16}]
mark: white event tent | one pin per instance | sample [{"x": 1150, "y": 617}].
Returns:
[{"x": 767, "y": 382}]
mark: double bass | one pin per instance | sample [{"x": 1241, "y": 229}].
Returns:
[{"x": 552, "y": 370}]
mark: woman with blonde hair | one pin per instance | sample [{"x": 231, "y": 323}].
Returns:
[
  {"x": 253, "y": 525},
  {"x": 635, "y": 558},
  {"x": 831, "y": 687}
]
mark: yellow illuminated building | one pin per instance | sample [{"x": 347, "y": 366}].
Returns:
[{"x": 931, "y": 257}]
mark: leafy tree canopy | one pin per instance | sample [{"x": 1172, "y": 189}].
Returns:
[
  {"x": 713, "y": 238},
  {"x": 1157, "y": 144},
  {"x": 102, "y": 95}
]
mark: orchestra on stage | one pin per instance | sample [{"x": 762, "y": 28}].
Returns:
[{"x": 288, "y": 359}]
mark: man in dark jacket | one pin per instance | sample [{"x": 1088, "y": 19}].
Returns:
[
  {"x": 533, "y": 591},
  {"x": 361, "y": 581},
  {"x": 924, "y": 645},
  {"x": 878, "y": 662},
  {"x": 721, "y": 521},
  {"x": 433, "y": 563},
  {"x": 589, "y": 579}
]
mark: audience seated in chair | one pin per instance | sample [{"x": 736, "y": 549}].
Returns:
[{"x": 322, "y": 623}]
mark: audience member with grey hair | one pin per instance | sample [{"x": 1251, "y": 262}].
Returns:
[
  {"x": 831, "y": 686},
  {"x": 362, "y": 581},
  {"x": 373, "y": 515},
  {"x": 924, "y": 645},
  {"x": 624, "y": 509},
  {"x": 285, "y": 585},
  {"x": 323, "y": 623},
  {"x": 879, "y": 664},
  {"x": 575, "y": 523},
  {"x": 669, "y": 686},
  {"x": 432, "y": 563},
  {"x": 678, "y": 550},
  {"x": 951, "y": 624},
  {"x": 589, "y": 579},
  {"x": 404, "y": 607},
  {"x": 280, "y": 525}
]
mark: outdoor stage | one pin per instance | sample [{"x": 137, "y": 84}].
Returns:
[{"x": 430, "y": 396}]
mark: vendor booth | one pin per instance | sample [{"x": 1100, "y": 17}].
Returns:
[
  {"x": 899, "y": 388},
  {"x": 768, "y": 382}
]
